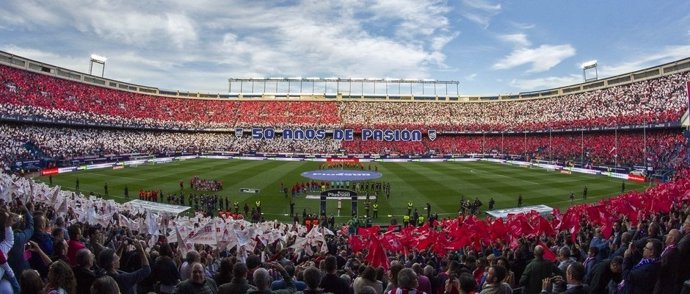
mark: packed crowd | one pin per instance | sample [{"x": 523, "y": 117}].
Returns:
[
  {"x": 31, "y": 94},
  {"x": 664, "y": 148},
  {"x": 597, "y": 148},
  {"x": 58, "y": 242},
  {"x": 651, "y": 101},
  {"x": 25, "y": 94},
  {"x": 65, "y": 142}
]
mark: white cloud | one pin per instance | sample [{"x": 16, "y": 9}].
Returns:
[
  {"x": 471, "y": 77},
  {"x": 168, "y": 46},
  {"x": 482, "y": 5},
  {"x": 522, "y": 26},
  {"x": 545, "y": 83},
  {"x": 518, "y": 39},
  {"x": 73, "y": 63},
  {"x": 541, "y": 58},
  {"x": 416, "y": 17},
  {"x": 480, "y": 12},
  {"x": 127, "y": 23}
]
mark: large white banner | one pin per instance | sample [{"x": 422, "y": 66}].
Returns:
[{"x": 157, "y": 207}]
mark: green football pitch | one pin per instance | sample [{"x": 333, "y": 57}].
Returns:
[{"x": 442, "y": 185}]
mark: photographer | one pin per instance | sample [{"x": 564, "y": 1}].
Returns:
[
  {"x": 575, "y": 274},
  {"x": 23, "y": 230}
]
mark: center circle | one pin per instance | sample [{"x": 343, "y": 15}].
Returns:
[{"x": 342, "y": 175}]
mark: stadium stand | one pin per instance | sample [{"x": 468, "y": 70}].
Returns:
[{"x": 637, "y": 242}]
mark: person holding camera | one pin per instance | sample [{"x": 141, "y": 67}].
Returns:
[
  {"x": 109, "y": 262},
  {"x": 575, "y": 275},
  {"x": 23, "y": 226}
]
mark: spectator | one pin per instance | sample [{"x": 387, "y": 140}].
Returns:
[
  {"x": 105, "y": 285},
  {"x": 83, "y": 272},
  {"x": 312, "y": 278},
  {"x": 367, "y": 278},
  {"x": 670, "y": 260},
  {"x": 537, "y": 270},
  {"x": 331, "y": 282},
  {"x": 31, "y": 282},
  {"x": 606, "y": 276},
  {"x": 239, "y": 284},
  {"x": 165, "y": 271},
  {"x": 109, "y": 262},
  {"x": 60, "y": 279},
  {"x": 186, "y": 267},
  {"x": 494, "y": 281},
  {"x": 575, "y": 275},
  {"x": 641, "y": 276},
  {"x": 74, "y": 244},
  {"x": 198, "y": 283},
  {"x": 262, "y": 280}
]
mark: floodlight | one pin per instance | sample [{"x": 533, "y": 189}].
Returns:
[
  {"x": 98, "y": 58},
  {"x": 589, "y": 64}
]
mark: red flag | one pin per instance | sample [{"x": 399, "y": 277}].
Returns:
[
  {"x": 607, "y": 223},
  {"x": 377, "y": 255},
  {"x": 545, "y": 227},
  {"x": 391, "y": 242},
  {"x": 548, "y": 254},
  {"x": 356, "y": 243},
  {"x": 526, "y": 228},
  {"x": 574, "y": 230},
  {"x": 460, "y": 238},
  {"x": 514, "y": 243},
  {"x": 498, "y": 229}
]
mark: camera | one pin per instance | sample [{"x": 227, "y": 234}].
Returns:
[{"x": 27, "y": 246}]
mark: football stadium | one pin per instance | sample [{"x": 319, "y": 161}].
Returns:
[{"x": 342, "y": 185}]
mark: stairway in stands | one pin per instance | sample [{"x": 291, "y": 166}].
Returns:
[{"x": 35, "y": 151}]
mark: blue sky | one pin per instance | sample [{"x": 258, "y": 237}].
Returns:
[{"x": 490, "y": 47}]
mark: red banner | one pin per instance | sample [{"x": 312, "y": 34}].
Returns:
[
  {"x": 49, "y": 171},
  {"x": 343, "y": 159}
]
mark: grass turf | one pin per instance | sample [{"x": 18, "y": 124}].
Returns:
[{"x": 440, "y": 184}]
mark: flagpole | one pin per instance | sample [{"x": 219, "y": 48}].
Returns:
[
  {"x": 615, "y": 155},
  {"x": 644, "y": 151},
  {"x": 525, "y": 146},
  {"x": 550, "y": 147},
  {"x": 582, "y": 141},
  {"x": 502, "y": 150}
]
